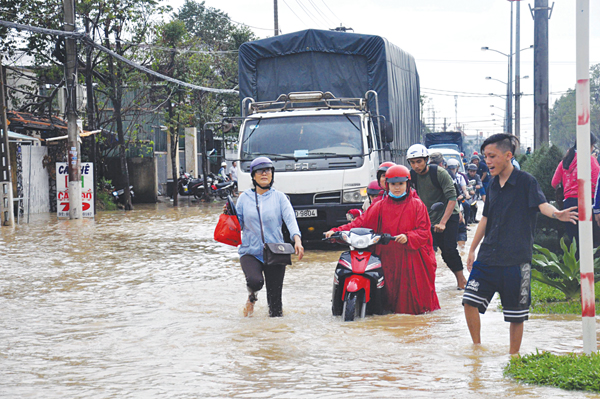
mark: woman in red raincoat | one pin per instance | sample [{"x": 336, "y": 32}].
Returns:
[{"x": 409, "y": 261}]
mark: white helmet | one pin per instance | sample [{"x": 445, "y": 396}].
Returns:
[
  {"x": 453, "y": 163},
  {"x": 417, "y": 151},
  {"x": 223, "y": 163}
]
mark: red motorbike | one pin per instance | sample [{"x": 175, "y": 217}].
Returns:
[{"x": 358, "y": 281}]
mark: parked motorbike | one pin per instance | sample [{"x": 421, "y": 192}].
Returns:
[
  {"x": 358, "y": 281},
  {"x": 186, "y": 183},
  {"x": 217, "y": 186},
  {"x": 119, "y": 197}
]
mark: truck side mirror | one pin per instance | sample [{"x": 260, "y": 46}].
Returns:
[
  {"x": 387, "y": 131},
  {"x": 209, "y": 139}
]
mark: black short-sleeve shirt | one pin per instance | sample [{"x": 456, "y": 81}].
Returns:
[{"x": 511, "y": 211}]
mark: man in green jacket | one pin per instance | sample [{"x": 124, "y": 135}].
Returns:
[{"x": 434, "y": 184}]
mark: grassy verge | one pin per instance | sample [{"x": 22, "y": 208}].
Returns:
[
  {"x": 549, "y": 300},
  {"x": 572, "y": 371}
]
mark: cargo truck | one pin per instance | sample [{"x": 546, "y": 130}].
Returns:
[{"x": 327, "y": 108}]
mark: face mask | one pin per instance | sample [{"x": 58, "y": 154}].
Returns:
[{"x": 397, "y": 196}]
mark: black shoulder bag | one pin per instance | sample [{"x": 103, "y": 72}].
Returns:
[{"x": 274, "y": 253}]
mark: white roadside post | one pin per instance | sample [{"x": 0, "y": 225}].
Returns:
[{"x": 586, "y": 260}]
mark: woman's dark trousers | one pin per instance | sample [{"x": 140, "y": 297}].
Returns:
[{"x": 273, "y": 277}]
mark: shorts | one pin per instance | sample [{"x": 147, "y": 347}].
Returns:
[
  {"x": 513, "y": 283},
  {"x": 482, "y": 190}
]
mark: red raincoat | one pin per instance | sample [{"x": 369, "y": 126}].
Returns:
[{"x": 409, "y": 268}]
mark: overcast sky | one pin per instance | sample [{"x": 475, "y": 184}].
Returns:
[{"x": 445, "y": 37}]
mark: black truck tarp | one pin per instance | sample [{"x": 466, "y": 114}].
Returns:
[
  {"x": 346, "y": 64},
  {"x": 444, "y": 138}
]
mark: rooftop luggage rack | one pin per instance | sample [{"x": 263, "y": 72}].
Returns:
[{"x": 304, "y": 99}]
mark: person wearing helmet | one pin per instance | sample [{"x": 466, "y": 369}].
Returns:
[
  {"x": 434, "y": 184},
  {"x": 381, "y": 173},
  {"x": 477, "y": 189},
  {"x": 275, "y": 208},
  {"x": 409, "y": 261},
  {"x": 374, "y": 193},
  {"x": 223, "y": 171}
]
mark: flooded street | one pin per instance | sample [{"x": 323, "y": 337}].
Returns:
[{"x": 145, "y": 304}]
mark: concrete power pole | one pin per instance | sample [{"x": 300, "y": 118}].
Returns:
[
  {"x": 276, "y": 17},
  {"x": 541, "y": 133},
  {"x": 518, "y": 73},
  {"x": 7, "y": 217},
  {"x": 74, "y": 159}
]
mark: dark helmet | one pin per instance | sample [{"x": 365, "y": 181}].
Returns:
[
  {"x": 261, "y": 163},
  {"x": 383, "y": 168},
  {"x": 397, "y": 174},
  {"x": 373, "y": 188},
  {"x": 472, "y": 166}
]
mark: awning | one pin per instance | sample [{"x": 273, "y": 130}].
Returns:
[{"x": 17, "y": 136}]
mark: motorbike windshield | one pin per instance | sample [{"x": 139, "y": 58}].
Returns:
[{"x": 302, "y": 137}]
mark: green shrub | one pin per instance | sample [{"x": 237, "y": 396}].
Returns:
[
  {"x": 542, "y": 165},
  {"x": 549, "y": 300},
  {"x": 562, "y": 273},
  {"x": 571, "y": 372}
]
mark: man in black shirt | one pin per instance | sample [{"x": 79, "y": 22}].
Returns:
[{"x": 504, "y": 260}]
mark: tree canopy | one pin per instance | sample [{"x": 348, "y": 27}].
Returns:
[{"x": 563, "y": 114}]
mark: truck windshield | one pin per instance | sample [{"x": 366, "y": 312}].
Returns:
[{"x": 302, "y": 136}]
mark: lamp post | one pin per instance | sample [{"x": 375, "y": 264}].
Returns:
[
  {"x": 509, "y": 92},
  {"x": 508, "y": 116}
]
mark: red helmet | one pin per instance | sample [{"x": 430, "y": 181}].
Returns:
[
  {"x": 383, "y": 168},
  {"x": 475, "y": 153},
  {"x": 373, "y": 188},
  {"x": 397, "y": 174}
]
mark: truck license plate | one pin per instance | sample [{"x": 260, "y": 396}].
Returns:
[{"x": 306, "y": 213}]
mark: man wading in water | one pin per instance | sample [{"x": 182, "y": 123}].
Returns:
[{"x": 504, "y": 260}]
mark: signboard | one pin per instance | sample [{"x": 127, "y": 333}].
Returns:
[{"x": 87, "y": 189}]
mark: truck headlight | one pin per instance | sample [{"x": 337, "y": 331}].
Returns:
[{"x": 355, "y": 195}]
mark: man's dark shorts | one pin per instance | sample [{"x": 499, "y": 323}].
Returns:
[{"x": 513, "y": 283}]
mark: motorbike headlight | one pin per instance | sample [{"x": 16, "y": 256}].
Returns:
[
  {"x": 360, "y": 241},
  {"x": 345, "y": 237},
  {"x": 355, "y": 195}
]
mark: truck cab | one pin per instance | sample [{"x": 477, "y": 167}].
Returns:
[{"x": 325, "y": 151}]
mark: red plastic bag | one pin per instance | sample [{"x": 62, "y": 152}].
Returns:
[{"x": 228, "y": 230}]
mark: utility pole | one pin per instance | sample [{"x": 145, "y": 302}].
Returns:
[
  {"x": 540, "y": 14},
  {"x": 584, "y": 174},
  {"x": 91, "y": 121},
  {"x": 456, "y": 112},
  {"x": 518, "y": 73},
  {"x": 7, "y": 217},
  {"x": 509, "y": 94},
  {"x": 276, "y": 16},
  {"x": 75, "y": 210}
]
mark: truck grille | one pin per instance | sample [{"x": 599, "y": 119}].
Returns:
[
  {"x": 333, "y": 197},
  {"x": 342, "y": 164}
]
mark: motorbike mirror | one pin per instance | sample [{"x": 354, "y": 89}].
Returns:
[{"x": 437, "y": 206}]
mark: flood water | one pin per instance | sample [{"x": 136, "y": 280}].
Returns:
[{"x": 145, "y": 304}]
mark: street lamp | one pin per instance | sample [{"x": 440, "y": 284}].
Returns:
[{"x": 509, "y": 92}]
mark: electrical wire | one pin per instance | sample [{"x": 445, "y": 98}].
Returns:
[
  {"x": 332, "y": 11},
  {"x": 293, "y": 12},
  {"x": 307, "y": 13},
  {"x": 320, "y": 13},
  {"x": 84, "y": 38}
]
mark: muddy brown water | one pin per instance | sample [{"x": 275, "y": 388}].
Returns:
[{"x": 145, "y": 304}]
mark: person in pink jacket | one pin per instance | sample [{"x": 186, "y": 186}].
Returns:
[{"x": 566, "y": 173}]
